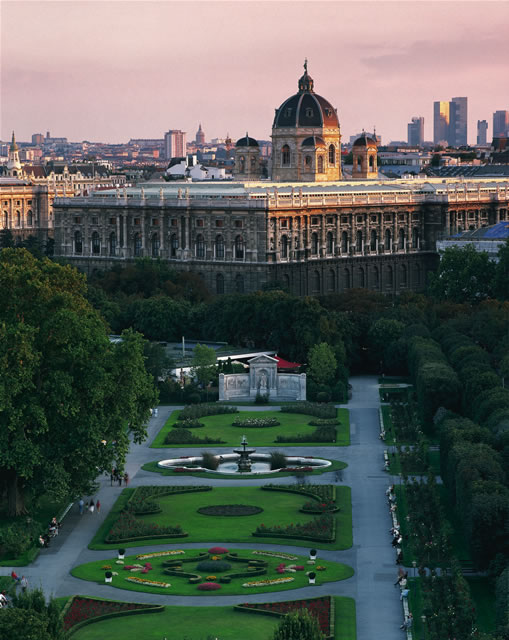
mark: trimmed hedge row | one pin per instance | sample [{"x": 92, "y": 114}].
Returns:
[
  {"x": 202, "y": 410},
  {"x": 312, "y": 409},
  {"x": 156, "y": 608},
  {"x": 184, "y": 436}
]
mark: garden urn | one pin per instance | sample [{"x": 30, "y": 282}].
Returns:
[{"x": 108, "y": 576}]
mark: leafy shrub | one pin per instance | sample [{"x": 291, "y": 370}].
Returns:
[
  {"x": 262, "y": 398},
  {"x": 277, "y": 460},
  {"x": 201, "y": 410},
  {"x": 322, "y": 396},
  {"x": 184, "y": 436},
  {"x": 213, "y": 566},
  {"x": 209, "y": 586},
  {"x": 311, "y": 409},
  {"x": 256, "y": 422},
  {"x": 18, "y": 537},
  {"x": 320, "y": 434},
  {"x": 189, "y": 423},
  {"x": 218, "y": 550},
  {"x": 320, "y": 528},
  {"x": 324, "y": 422},
  {"x": 194, "y": 398},
  {"x": 209, "y": 460}
]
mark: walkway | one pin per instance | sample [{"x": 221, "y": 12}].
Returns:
[{"x": 378, "y": 606}]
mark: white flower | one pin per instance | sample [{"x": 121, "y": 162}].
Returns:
[{"x": 119, "y": 562}]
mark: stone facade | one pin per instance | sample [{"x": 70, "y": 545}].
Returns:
[
  {"x": 312, "y": 239},
  {"x": 262, "y": 379}
]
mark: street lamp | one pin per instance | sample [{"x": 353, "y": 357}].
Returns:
[
  {"x": 423, "y": 620},
  {"x": 414, "y": 564}
]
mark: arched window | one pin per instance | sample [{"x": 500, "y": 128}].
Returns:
[
  {"x": 314, "y": 244},
  {"x": 155, "y": 246},
  {"x": 320, "y": 164},
  {"x": 78, "y": 242},
  {"x": 330, "y": 243},
  {"x": 253, "y": 163},
  {"x": 331, "y": 280},
  {"x": 402, "y": 275},
  {"x": 373, "y": 239},
  {"x": 6, "y": 219},
  {"x": 415, "y": 237},
  {"x": 285, "y": 155},
  {"x": 137, "y": 245},
  {"x": 96, "y": 243},
  {"x": 376, "y": 278},
  {"x": 286, "y": 281},
  {"x": 174, "y": 245},
  {"x": 360, "y": 278},
  {"x": 316, "y": 282},
  {"x": 284, "y": 246},
  {"x": 332, "y": 154},
  {"x": 239, "y": 248},
  {"x": 113, "y": 244},
  {"x": 358, "y": 244},
  {"x": 239, "y": 283},
  {"x": 308, "y": 162},
  {"x": 388, "y": 240},
  {"x": 344, "y": 242},
  {"x": 219, "y": 247},
  {"x": 18, "y": 219},
  {"x": 347, "y": 279},
  {"x": 200, "y": 246},
  {"x": 389, "y": 277},
  {"x": 30, "y": 218},
  {"x": 219, "y": 283},
  {"x": 372, "y": 163},
  {"x": 401, "y": 239},
  {"x": 359, "y": 164},
  {"x": 242, "y": 164}
]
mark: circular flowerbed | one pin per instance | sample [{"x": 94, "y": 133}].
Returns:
[
  {"x": 256, "y": 422},
  {"x": 230, "y": 510}
]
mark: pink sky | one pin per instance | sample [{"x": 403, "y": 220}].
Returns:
[{"x": 113, "y": 70}]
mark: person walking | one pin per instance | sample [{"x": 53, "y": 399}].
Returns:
[
  {"x": 126, "y": 478},
  {"x": 15, "y": 576},
  {"x": 407, "y": 623},
  {"x": 98, "y": 505},
  {"x": 24, "y": 584},
  {"x": 81, "y": 506},
  {"x": 91, "y": 507}
]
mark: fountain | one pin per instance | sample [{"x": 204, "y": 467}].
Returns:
[{"x": 244, "y": 461}]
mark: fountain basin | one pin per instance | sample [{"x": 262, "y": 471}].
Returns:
[{"x": 260, "y": 463}]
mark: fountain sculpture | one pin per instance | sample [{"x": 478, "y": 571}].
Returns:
[{"x": 244, "y": 462}]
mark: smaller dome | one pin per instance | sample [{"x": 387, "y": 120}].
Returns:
[
  {"x": 365, "y": 141},
  {"x": 313, "y": 141},
  {"x": 246, "y": 141}
]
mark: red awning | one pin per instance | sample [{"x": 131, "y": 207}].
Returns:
[{"x": 284, "y": 364}]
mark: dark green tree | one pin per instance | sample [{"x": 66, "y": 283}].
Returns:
[
  {"x": 204, "y": 364},
  {"x": 23, "y": 624},
  {"x": 70, "y": 398},
  {"x": 501, "y": 284},
  {"x": 6, "y": 239}
]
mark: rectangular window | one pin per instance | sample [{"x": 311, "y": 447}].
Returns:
[
  {"x": 199, "y": 223},
  {"x": 387, "y": 217},
  {"x": 219, "y": 223},
  {"x": 29, "y": 202},
  {"x": 18, "y": 202},
  {"x": 77, "y": 220},
  {"x": 344, "y": 219},
  {"x": 330, "y": 220},
  {"x": 415, "y": 216},
  {"x": 113, "y": 221},
  {"x": 94, "y": 220},
  {"x": 374, "y": 218},
  {"x": 155, "y": 222},
  {"x": 471, "y": 215},
  {"x": 137, "y": 221},
  {"x": 284, "y": 224},
  {"x": 360, "y": 218},
  {"x": 238, "y": 224},
  {"x": 401, "y": 217},
  {"x": 315, "y": 220},
  {"x": 174, "y": 222}
]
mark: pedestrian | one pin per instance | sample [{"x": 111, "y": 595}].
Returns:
[
  {"x": 98, "y": 506},
  {"x": 3, "y": 600},
  {"x": 86, "y": 505},
  {"x": 404, "y": 594},
  {"x": 24, "y": 584},
  {"x": 15, "y": 576},
  {"x": 81, "y": 505},
  {"x": 119, "y": 479},
  {"x": 126, "y": 478},
  {"x": 156, "y": 411},
  {"x": 112, "y": 477},
  {"x": 407, "y": 623},
  {"x": 91, "y": 506}
]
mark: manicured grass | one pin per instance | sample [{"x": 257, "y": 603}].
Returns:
[
  {"x": 483, "y": 595},
  {"x": 220, "y": 426},
  {"x": 279, "y": 508},
  {"x": 221, "y": 622},
  {"x": 335, "y": 466},
  {"x": 92, "y": 571}
]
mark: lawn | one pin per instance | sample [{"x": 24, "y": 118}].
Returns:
[
  {"x": 335, "y": 466},
  {"x": 220, "y": 426},
  {"x": 93, "y": 571},
  {"x": 221, "y": 622},
  {"x": 279, "y": 508}
]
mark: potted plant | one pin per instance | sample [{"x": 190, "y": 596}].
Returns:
[
  {"x": 312, "y": 577},
  {"x": 121, "y": 554},
  {"x": 108, "y": 576},
  {"x": 312, "y": 554}
]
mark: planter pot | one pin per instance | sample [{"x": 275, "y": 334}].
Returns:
[
  {"x": 108, "y": 579},
  {"x": 121, "y": 556},
  {"x": 312, "y": 580}
]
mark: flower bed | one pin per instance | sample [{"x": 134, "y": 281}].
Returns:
[
  {"x": 159, "y": 554},
  {"x": 230, "y": 510},
  {"x": 79, "y": 610},
  {"x": 327, "y": 506},
  {"x": 255, "y": 423},
  {"x": 321, "y": 529},
  {"x": 127, "y": 527},
  {"x": 276, "y": 554},
  {"x": 322, "y": 608},
  {"x": 267, "y": 582},
  {"x": 218, "y": 550},
  {"x": 148, "y": 583},
  {"x": 209, "y": 586}
]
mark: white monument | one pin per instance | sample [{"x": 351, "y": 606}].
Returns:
[{"x": 262, "y": 379}]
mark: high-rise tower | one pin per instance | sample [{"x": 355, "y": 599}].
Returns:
[{"x": 440, "y": 122}]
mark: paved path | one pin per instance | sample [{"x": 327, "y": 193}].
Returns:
[{"x": 378, "y": 606}]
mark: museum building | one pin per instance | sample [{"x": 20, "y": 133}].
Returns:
[{"x": 308, "y": 229}]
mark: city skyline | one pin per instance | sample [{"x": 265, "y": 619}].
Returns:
[{"x": 112, "y": 70}]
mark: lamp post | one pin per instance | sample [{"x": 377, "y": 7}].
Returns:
[
  {"x": 423, "y": 620},
  {"x": 414, "y": 564}
]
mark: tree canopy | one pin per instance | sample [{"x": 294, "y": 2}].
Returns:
[{"x": 70, "y": 398}]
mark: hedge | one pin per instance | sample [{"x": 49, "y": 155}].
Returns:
[
  {"x": 311, "y": 409},
  {"x": 202, "y": 410}
]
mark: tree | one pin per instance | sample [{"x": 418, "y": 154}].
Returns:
[
  {"x": 23, "y": 624},
  {"x": 502, "y": 272},
  {"x": 157, "y": 361},
  {"x": 6, "y": 239},
  {"x": 70, "y": 398},
  {"x": 204, "y": 364},
  {"x": 298, "y": 625},
  {"x": 322, "y": 364},
  {"x": 463, "y": 275}
]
